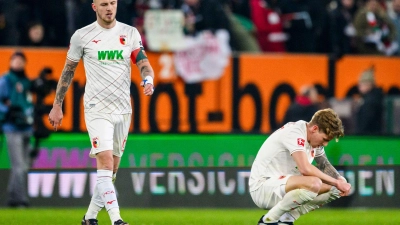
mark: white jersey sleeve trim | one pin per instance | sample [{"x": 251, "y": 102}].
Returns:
[
  {"x": 73, "y": 60},
  {"x": 319, "y": 152}
]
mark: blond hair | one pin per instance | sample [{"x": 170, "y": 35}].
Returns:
[{"x": 328, "y": 122}]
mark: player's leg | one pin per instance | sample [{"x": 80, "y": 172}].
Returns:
[
  {"x": 121, "y": 129},
  {"x": 299, "y": 190},
  {"x": 16, "y": 189},
  {"x": 101, "y": 130},
  {"x": 328, "y": 194}
]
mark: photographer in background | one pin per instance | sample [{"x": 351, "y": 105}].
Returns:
[
  {"x": 16, "y": 113},
  {"x": 41, "y": 87}
]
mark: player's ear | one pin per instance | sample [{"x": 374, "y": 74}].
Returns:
[
  {"x": 315, "y": 128},
  {"x": 94, "y": 7}
]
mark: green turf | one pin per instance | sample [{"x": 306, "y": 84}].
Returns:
[{"x": 69, "y": 216}]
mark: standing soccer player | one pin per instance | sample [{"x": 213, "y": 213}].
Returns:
[
  {"x": 282, "y": 177},
  {"x": 106, "y": 47}
]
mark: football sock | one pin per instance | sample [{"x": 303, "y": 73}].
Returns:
[
  {"x": 316, "y": 203},
  {"x": 96, "y": 204},
  {"x": 292, "y": 200},
  {"x": 107, "y": 192}
]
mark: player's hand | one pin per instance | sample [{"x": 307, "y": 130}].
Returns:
[
  {"x": 56, "y": 116},
  {"x": 343, "y": 187},
  {"x": 148, "y": 89},
  {"x": 342, "y": 178}
]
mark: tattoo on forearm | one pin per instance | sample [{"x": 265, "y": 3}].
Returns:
[
  {"x": 65, "y": 81},
  {"x": 144, "y": 71},
  {"x": 326, "y": 167}
]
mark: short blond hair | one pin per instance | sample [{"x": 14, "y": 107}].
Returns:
[{"x": 328, "y": 122}]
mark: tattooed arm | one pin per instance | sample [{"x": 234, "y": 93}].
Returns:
[
  {"x": 146, "y": 70},
  {"x": 326, "y": 167},
  {"x": 56, "y": 114}
]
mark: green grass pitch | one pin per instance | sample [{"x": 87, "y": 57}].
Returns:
[{"x": 193, "y": 216}]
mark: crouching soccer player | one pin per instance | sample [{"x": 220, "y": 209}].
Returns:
[{"x": 282, "y": 177}]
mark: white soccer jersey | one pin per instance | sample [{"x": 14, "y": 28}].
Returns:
[
  {"x": 274, "y": 157},
  {"x": 106, "y": 55}
]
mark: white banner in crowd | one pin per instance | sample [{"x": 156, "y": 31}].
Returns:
[
  {"x": 164, "y": 30},
  {"x": 204, "y": 57}
]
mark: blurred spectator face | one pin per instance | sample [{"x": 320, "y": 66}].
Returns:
[
  {"x": 372, "y": 5},
  {"x": 17, "y": 63},
  {"x": 36, "y": 33},
  {"x": 311, "y": 92},
  {"x": 365, "y": 87},
  {"x": 396, "y": 6},
  {"x": 347, "y": 4},
  {"x": 192, "y": 2},
  {"x": 105, "y": 10}
]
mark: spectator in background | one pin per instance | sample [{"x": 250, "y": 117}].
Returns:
[
  {"x": 375, "y": 32},
  {"x": 35, "y": 35},
  {"x": 302, "y": 20},
  {"x": 16, "y": 111},
  {"x": 8, "y": 28},
  {"x": 369, "y": 114},
  {"x": 342, "y": 31},
  {"x": 304, "y": 105},
  {"x": 270, "y": 35},
  {"x": 396, "y": 21},
  {"x": 242, "y": 32},
  {"x": 206, "y": 15}
]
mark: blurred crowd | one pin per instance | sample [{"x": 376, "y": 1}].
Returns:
[{"x": 337, "y": 27}]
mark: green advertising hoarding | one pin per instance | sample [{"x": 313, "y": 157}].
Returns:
[{"x": 64, "y": 150}]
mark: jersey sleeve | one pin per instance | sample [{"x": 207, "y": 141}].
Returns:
[
  {"x": 137, "y": 47},
  {"x": 75, "y": 50},
  {"x": 294, "y": 141},
  {"x": 319, "y": 151}
]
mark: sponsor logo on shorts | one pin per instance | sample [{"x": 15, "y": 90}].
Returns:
[
  {"x": 95, "y": 142},
  {"x": 300, "y": 142},
  {"x": 110, "y": 202}
]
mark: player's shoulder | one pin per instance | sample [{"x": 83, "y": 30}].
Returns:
[
  {"x": 125, "y": 26},
  {"x": 86, "y": 29},
  {"x": 295, "y": 128}
]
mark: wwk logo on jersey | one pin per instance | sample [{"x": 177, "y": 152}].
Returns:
[
  {"x": 110, "y": 55},
  {"x": 300, "y": 142}
]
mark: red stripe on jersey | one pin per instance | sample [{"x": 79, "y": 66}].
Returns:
[{"x": 134, "y": 55}]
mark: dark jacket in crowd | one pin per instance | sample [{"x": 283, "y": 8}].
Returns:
[
  {"x": 301, "y": 109},
  {"x": 370, "y": 113}
]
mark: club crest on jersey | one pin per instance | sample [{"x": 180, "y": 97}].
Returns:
[
  {"x": 95, "y": 142},
  {"x": 300, "y": 142},
  {"x": 122, "y": 39}
]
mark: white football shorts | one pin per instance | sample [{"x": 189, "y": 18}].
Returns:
[
  {"x": 107, "y": 132},
  {"x": 270, "y": 192}
]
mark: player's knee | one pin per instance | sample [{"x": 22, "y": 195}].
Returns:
[{"x": 314, "y": 184}]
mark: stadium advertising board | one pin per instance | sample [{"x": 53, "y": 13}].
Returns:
[
  {"x": 68, "y": 151},
  {"x": 251, "y": 96},
  {"x": 373, "y": 186}
]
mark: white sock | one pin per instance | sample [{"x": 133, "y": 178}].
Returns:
[
  {"x": 96, "y": 204},
  {"x": 316, "y": 203},
  {"x": 292, "y": 200},
  {"x": 108, "y": 195}
]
